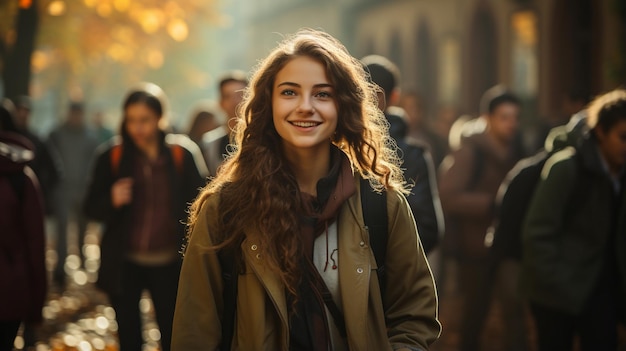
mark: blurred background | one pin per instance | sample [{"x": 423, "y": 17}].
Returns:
[
  {"x": 450, "y": 51},
  {"x": 551, "y": 53}
]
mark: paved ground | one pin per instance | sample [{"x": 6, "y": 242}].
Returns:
[{"x": 79, "y": 318}]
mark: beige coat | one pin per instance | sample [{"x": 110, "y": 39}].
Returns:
[{"x": 262, "y": 320}]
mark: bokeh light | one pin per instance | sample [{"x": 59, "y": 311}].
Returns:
[
  {"x": 178, "y": 29},
  {"x": 56, "y": 8}
]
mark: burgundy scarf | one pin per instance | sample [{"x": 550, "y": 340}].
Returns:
[{"x": 309, "y": 325}]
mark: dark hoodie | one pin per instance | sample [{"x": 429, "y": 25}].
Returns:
[
  {"x": 419, "y": 171},
  {"x": 22, "y": 243}
]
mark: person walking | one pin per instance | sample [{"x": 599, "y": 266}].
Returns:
[
  {"x": 214, "y": 144},
  {"x": 285, "y": 212},
  {"x": 22, "y": 243},
  {"x": 469, "y": 180},
  {"x": 140, "y": 187},
  {"x": 75, "y": 145},
  {"x": 574, "y": 248},
  {"x": 417, "y": 162}
]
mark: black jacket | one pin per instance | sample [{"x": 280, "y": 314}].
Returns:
[
  {"x": 418, "y": 169},
  {"x": 572, "y": 235},
  {"x": 518, "y": 187}
]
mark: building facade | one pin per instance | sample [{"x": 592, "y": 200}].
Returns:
[{"x": 451, "y": 51}]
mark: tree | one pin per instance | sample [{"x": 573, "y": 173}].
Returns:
[
  {"x": 95, "y": 49},
  {"x": 16, "y": 57}
]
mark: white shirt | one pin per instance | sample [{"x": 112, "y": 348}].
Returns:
[{"x": 330, "y": 274}]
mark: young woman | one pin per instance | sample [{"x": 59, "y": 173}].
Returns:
[
  {"x": 140, "y": 189},
  {"x": 287, "y": 207}
]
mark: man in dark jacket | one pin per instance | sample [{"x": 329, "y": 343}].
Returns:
[
  {"x": 214, "y": 143},
  {"x": 416, "y": 159},
  {"x": 75, "y": 144},
  {"x": 574, "y": 247}
]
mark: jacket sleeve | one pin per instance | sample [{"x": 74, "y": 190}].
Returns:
[
  {"x": 514, "y": 196},
  {"x": 411, "y": 298},
  {"x": 199, "y": 304},
  {"x": 33, "y": 219},
  {"x": 543, "y": 225},
  {"x": 454, "y": 179},
  {"x": 97, "y": 203},
  {"x": 196, "y": 172},
  {"x": 424, "y": 202}
]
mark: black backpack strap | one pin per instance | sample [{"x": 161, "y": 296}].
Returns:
[
  {"x": 375, "y": 215},
  {"x": 229, "y": 294},
  {"x": 18, "y": 182}
]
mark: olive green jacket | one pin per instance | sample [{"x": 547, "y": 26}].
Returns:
[{"x": 262, "y": 317}]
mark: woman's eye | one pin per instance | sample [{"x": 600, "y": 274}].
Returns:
[
  {"x": 323, "y": 94},
  {"x": 288, "y": 92}
]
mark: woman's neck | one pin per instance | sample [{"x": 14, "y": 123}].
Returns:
[
  {"x": 309, "y": 166},
  {"x": 150, "y": 149}
]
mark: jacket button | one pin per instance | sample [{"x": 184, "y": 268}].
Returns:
[
  {"x": 362, "y": 244},
  {"x": 254, "y": 247},
  {"x": 359, "y": 270}
]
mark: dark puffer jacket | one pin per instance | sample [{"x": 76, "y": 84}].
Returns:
[{"x": 22, "y": 242}]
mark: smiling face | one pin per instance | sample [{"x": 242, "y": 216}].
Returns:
[{"x": 304, "y": 106}]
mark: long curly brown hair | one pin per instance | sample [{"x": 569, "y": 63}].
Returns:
[{"x": 258, "y": 190}]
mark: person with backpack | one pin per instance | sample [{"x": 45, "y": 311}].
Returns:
[
  {"x": 281, "y": 254},
  {"x": 140, "y": 188},
  {"x": 22, "y": 239},
  {"x": 417, "y": 162},
  {"x": 574, "y": 247},
  {"x": 468, "y": 183},
  {"x": 504, "y": 238}
]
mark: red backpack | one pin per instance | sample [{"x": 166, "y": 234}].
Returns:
[{"x": 178, "y": 155}]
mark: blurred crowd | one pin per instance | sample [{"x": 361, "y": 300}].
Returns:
[{"x": 533, "y": 225}]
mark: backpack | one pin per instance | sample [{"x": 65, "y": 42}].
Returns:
[
  {"x": 178, "y": 155},
  {"x": 374, "y": 206}
]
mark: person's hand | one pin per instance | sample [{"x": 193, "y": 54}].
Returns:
[{"x": 122, "y": 192}]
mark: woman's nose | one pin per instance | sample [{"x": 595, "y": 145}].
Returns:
[{"x": 305, "y": 105}]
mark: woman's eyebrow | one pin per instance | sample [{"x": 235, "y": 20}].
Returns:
[
  {"x": 320, "y": 85},
  {"x": 289, "y": 84}
]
